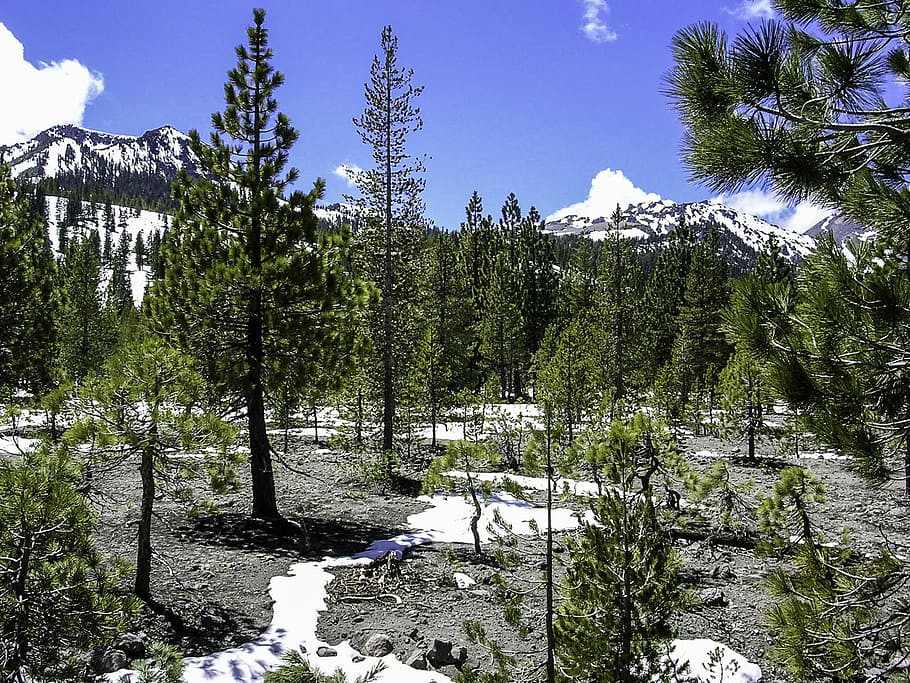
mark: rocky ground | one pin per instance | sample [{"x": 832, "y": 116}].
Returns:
[{"x": 212, "y": 571}]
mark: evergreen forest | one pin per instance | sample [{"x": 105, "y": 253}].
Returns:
[{"x": 285, "y": 388}]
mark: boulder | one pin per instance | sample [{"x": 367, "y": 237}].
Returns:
[
  {"x": 378, "y": 645},
  {"x": 132, "y": 645}
]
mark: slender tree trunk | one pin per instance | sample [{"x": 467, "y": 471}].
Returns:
[
  {"x": 388, "y": 297},
  {"x": 264, "y": 503},
  {"x": 142, "y": 586},
  {"x": 551, "y": 638}
]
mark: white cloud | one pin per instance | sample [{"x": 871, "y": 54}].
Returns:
[
  {"x": 595, "y": 26},
  {"x": 348, "y": 173},
  {"x": 36, "y": 98},
  {"x": 773, "y": 209},
  {"x": 608, "y": 189},
  {"x": 803, "y": 216},
  {"x": 752, "y": 9}
]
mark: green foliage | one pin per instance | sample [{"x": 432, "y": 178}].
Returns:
[
  {"x": 295, "y": 668},
  {"x": 87, "y": 332},
  {"x": 725, "y": 504},
  {"x": 621, "y": 585},
  {"x": 164, "y": 664},
  {"x": 56, "y": 592},
  {"x": 251, "y": 289},
  {"x": 784, "y": 515},
  {"x": 840, "y": 614},
  {"x": 806, "y": 112},
  {"x": 27, "y": 299},
  {"x": 568, "y": 372},
  {"x": 743, "y": 396}
]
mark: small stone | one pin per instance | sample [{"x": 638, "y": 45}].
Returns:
[
  {"x": 378, "y": 645},
  {"x": 417, "y": 660},
  {"x": 132, "y": 645},
  {"x": 440, "y": 654},
  {"x": 323, "y": 651},
  {"x": 357, "y": 618},
  {"x": 414, "y": 634},
  {"x": 713, "y": 597},
  {"x": 357, "y": 658}
]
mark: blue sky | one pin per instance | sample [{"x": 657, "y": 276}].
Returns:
[{"x": 558, "y": 101}]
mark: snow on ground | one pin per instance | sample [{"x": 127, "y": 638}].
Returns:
[
  {"x": 16, "y": 445},
  {"x": 300, "y": 596},
  {"x": 576, "y": 487}
]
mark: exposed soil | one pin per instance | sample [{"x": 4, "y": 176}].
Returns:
[{"x": 211, "y": 573}]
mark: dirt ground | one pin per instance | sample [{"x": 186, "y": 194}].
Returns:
[{"x": 211, "y": 572}]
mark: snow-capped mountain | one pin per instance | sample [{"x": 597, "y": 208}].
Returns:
[
  {"x": 742, "y": 234},
  {"x": 123, "y": 165},
  {"x": 843, "y": 229}
]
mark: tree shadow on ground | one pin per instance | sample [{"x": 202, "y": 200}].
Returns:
[
  {"x": 766, "y": 463},
  {"x": 196, "y": 627},
  {"x": 301, "y": 540}
]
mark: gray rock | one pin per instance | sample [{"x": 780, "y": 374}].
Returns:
[
  {"x": 132, "y": 645},
  {"x": 378, "y": 645},
  {"x": 713, "y": 597},
  {"x": 417, "y": 660},
  {"x": 112, "y": 660},
  {"x": 323, "y": 651}
]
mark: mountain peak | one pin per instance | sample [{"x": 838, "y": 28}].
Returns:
[
  {"x": 651, "y": 223},
  {"x": 124, "y": 166}
]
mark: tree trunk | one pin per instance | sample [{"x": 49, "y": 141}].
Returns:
[
  {"x": 551, "y": 637},
  {"x": 265, "y": 505},
  {"x": 142, "y": 586},
  {"x": 264, "y": 502},
  {"x": 388, "y": 300}
]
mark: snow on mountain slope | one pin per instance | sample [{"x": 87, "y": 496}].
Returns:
[
  {"x": 652, "y": 222},
  {"x": 843, "y": 229},
  {"x": 133, "y": 221},
  {"x": 124, "y": 164}
]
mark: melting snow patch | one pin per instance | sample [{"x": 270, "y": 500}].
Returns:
[
  {"x": 713, "y": 662},
  {"x": 299, "y": 597},
  {"x": 463, "y": 580}
]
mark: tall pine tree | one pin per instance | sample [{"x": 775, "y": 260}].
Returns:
[
  {"x": 391, "y": 200},
  {"x": 250, "y": 285}
]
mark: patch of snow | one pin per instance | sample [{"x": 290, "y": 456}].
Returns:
[
  {"x": 463, "y": 580},
  {"x": 713, "y": 662},
  {"x": 300, "y": 596}
]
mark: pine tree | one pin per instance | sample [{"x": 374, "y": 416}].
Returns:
[
  {"x": 476, "y": 259},
  {"x": 621, "y": 586},
  {"x": 250, "y": 286},
  {"x": 85, "y": 333},
  {"x": 700, "y": 349},
  {"x": 145, "y": 405},
  {"x": 140, "y": 250},
  {"x": 808, "y": 115},
  {"x": 119, "y": 295},
  {"x": 665, "y": 290},
  {"x": 56, "y": 592},
  {"x": 618, "y": 289},
  {"x": 568, "y": 374},
  {"x": 391, "y": 200},
  {"x": 27, "y": 297}
]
